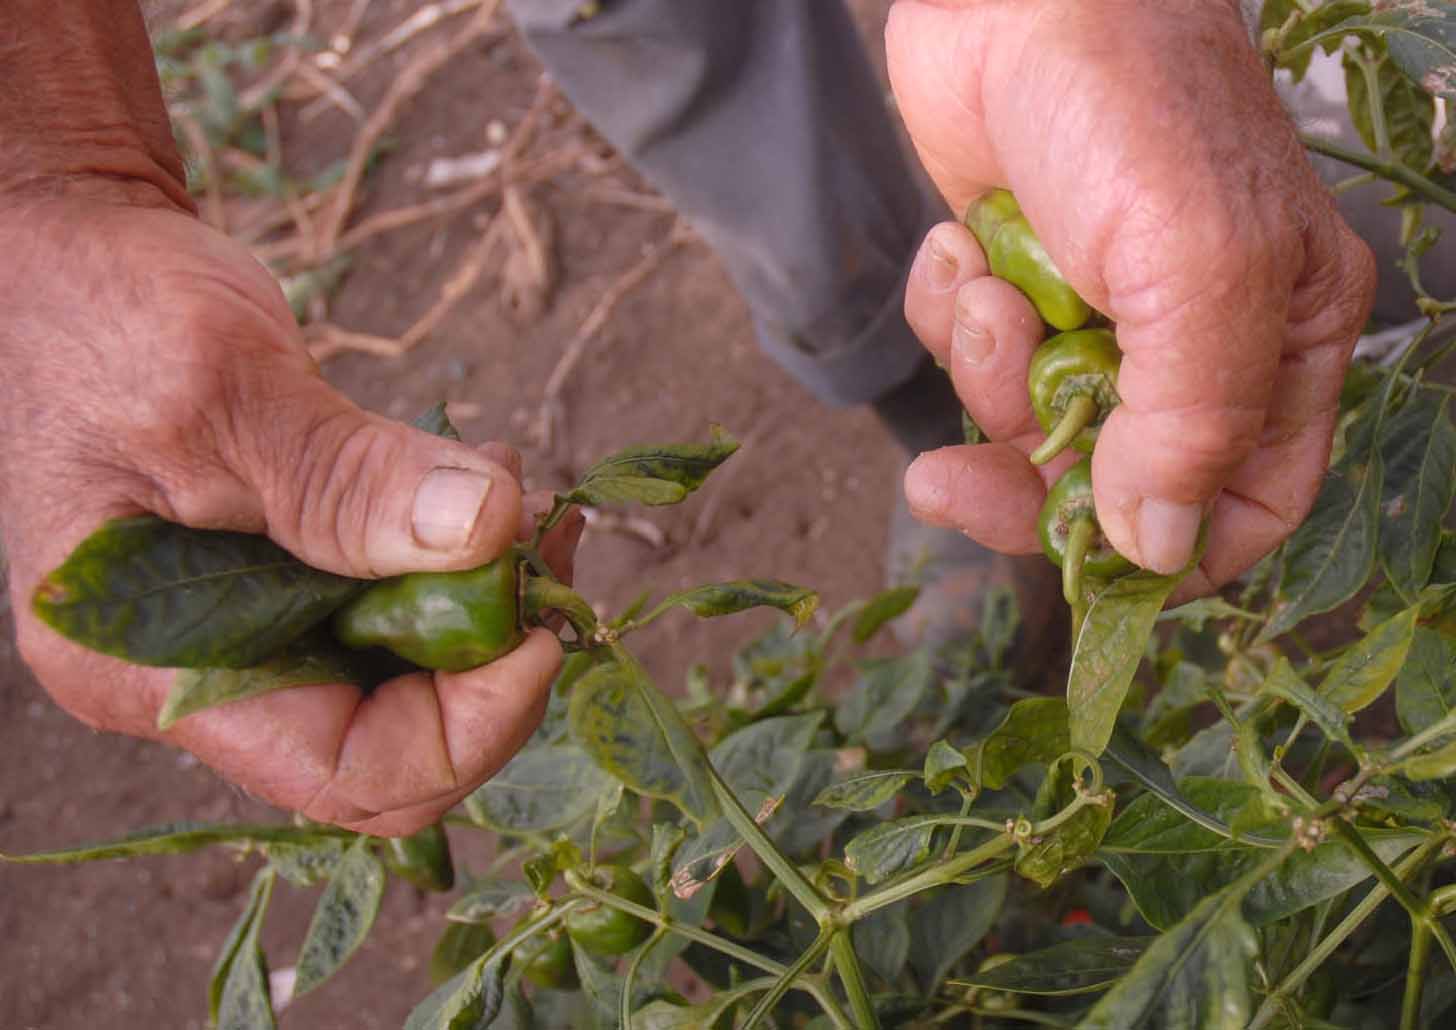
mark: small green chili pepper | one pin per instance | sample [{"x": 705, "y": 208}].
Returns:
[
  {"x": 1073, "y": 384},
  {"x": 1016, "y": 255},
  {"x": 439, "y": 620},
  {"x": 422, "y": 858},
  {"x": 546, "y": 960},
  {"x": 1070, "y": 535},
  {"x": 602, "y": 930}
]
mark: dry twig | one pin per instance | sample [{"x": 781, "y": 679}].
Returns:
[
  {"x": 550, "y": 421},
  {"x": 402, "y": 89}
]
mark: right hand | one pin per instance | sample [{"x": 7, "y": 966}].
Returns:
[
  {"x": 1148, "y": 149},
  {"x": 152, "y": 365}
]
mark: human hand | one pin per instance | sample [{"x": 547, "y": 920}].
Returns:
[
  {"x": 151, "y": 365},
  {"x": 1150, "y": 153}
]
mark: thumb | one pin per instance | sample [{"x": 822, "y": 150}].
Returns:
[{"x": 361, "y": 495}]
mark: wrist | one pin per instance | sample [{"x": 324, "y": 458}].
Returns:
[{"x": 81, "y": 111}]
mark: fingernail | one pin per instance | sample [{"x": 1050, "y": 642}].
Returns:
[
  {"x": 938, "y": 264},
  {"x": 1167, "y": 533},
  {"x": 970, "y": 341},
  {"x": 446, "y": 506}
]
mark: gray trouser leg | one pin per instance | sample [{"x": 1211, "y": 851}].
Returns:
[{"x": 763, "y": 123}]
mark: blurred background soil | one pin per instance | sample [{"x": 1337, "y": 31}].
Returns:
[{"x": 582, "y": 304}]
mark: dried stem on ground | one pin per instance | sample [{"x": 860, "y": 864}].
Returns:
[
  {"x": 549, "y": 430},
  {"x": 404, "y": 87}
]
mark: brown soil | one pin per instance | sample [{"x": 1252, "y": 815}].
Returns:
[{"x": 129, "y": 945}]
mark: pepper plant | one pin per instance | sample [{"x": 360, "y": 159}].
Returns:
[{"x": 1238, "y": 813}]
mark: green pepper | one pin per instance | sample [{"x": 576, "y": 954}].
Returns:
[
  {"x": 603, "y": 930},
  {"x": 546, "y": 960},
  {"x": 1070, "y": 535},
  {"x": 422, "y": 858},
  {"x": 1016, "y": 255},
  {"x": 439, "y": 620},
  {"x": 1073, "y": 385}
]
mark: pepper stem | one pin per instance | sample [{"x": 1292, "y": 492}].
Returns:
[
  {"x": 1080, "y": 413},
  {"x": 1079, "y": 542}
]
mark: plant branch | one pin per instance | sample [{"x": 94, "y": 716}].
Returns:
[
  {"x": 1388, "y": 170},
  {"x": 768, "y": 852},
  {"x": 1415, "y": 976},
  {"x": 846, "y": 962},
  {"x": 747, "y": 956},
  {"x": 781, "y": 986},
  {"x": 1269, "y": 1010}
]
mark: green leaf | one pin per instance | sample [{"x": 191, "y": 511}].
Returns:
[
  {"x": 345, "y": 912},
  {"x": 1196, "y": 614},
  {"x": 305, "y": 865},
  {"x": 238, "y": 997},
  {"x": 800, "y": 828},
  {"x": 944, "y": 765},
  {"x": 1364, "y": 672},
  {"x": 468, "y": 1001},
  {"x": 1129, "y": 753},
  {"x": 888, "y": 690},
  {"x": 1332, "y": 720},
  {"x": 866, "y": 791},
  {"x": 1409, "y": 111},
  {"x": 1437, "y": 764},
  {"x": 1072, "y": 967},
  {"x": 653, "y": 474},
  {"x": 882, "y": 940},
  {"x": 760, "y": 763},
  {"x": 950, "y": 922},
  {"x": 1035, "y": 730},
  {"x": 180, "y": 838},
  {"x": 889, "y": 847},
  {"x": 1068, "y": 846},
  {"x": 1332, "y": 554},
  {"x": 436, "y": 422},
  {"x": 635, "y": 733},
  {"x": 1421, "y": 37},
  {"x": 1419, "y": 456},
  {"x": 1425, "y": 688},
  {"x": 486, "y": 899},
  {"x": 541, "y": 789},
  {"x": 1195, "y": 975},
  {"x": 460, "y": 945},
  {"x": 777, "y": 670},
  {"x": 1114, "y": 635},
  {"x": 601, "y": 985},
  {"x": 1000, "y": 621},
  {"x": 313, "y": 658},
  {"x": 1168, "y": 863},
  {"x": 1294, "y": 54},
  {"x": 153, "y": 592},
  {"x": 716, "y": 599},
  {"x": 882, "y": 608}
]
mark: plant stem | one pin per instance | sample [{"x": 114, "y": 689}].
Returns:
[
  {"x": 782, "y": 985},
  {"x": 937, "y": 875},
  {"x": 1415, "y": 976},
  {"x": 747, "y": 956},
  {"x": 1388, "y": 170},
  {"x": 1326, "y": 947},
  {"x": 846, "y": 962},
  {"x": 1081, "y": 412},
  {"x": 768, "y": 852},
  {"x": 624, "y": 1005},
  {"x": 954, "y": 844}
]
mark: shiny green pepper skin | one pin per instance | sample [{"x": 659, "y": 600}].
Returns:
[
  {"x": 609, "y": 931},
  {"x": 422, "y": 858},
  {"x": 451, "y": 621},
  {"x": 546, "y": 960},
  {"x": 1016, "y": 255},
  {"x": 1081, "y": 363},
  {"x": 1070, "y": 500}
]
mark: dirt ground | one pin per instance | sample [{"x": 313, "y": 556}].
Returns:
[{"x": 129, "y": 945}]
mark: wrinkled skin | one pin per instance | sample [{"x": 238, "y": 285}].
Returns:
[
  {"x": 1167, "y": 183},
  {"x": 153, "y": 366}
]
